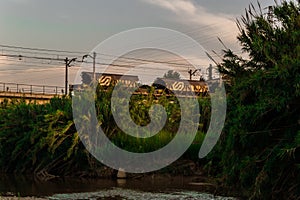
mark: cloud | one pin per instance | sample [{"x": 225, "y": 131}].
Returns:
[
  {"x": 191, "y": 12},
  {"x": 187, "y": 12},
  {"x": 176, "y": 6}
]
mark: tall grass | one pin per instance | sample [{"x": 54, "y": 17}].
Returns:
[{"x": 42, "y": 139}]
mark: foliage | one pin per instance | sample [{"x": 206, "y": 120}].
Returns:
[
  {"x": 260, "y": 149},
  {"x": 172, "y": 75},
  {"x": 42, "y": 138},
  {"x": 38, "y": 138},
  {"x": 139, "y": 107}
]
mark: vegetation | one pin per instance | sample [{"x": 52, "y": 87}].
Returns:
[
  {"x": 260, "y": 147},
  {"x": 39, "y": 138},
  {"x": 42, "y": 139},
  {"x": 172, "y": 75},
  {"x": 139, "y": 111},
  {"x": 259, "y": 150}
]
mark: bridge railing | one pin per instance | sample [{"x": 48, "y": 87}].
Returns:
[{"x": 31, "y": 89}]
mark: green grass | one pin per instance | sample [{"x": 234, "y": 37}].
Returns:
[{"x": 36, "y": 138}]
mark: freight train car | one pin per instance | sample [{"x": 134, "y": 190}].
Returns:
[
  {"x": 106, "y": 79},
  {"x": 161, "y": 85},
  {"x": 180, "y": 86}
]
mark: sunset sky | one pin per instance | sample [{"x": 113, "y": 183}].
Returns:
[{"x": 80, "y": 25}]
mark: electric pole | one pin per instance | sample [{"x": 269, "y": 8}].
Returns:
[
  {"x": 210, "y": 68},
  {"x": 94, "y": 67},
  {"x": 67, "y": 62},
  {"x": 94, "y": 64},
  {"x": 192, "y": 73}
]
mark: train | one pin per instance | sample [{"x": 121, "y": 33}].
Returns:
[{"x": 161, "y": 85}]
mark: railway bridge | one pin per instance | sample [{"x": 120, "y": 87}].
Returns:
[{"x": 30, "y": 93}]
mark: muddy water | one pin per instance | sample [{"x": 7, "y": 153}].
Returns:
[{"x": 76, "y": 188}]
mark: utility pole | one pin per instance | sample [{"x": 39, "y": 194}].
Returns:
[
  {"x": 67, "y": 62},
  {"x": 210, "y": 68},
  {"x": 94, "y": 64},
  {"x": 192, "y": 73},
  {"x": 94, "y": 67}
]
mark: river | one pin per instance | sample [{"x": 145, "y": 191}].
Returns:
[{"x": 76, "y": 188}]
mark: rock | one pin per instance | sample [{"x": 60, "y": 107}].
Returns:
[{"x": 121, "y": 173}]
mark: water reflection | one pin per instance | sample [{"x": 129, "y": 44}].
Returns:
[
  {"x": 71, "y": 188},
  {"x": 28, "y": 186},
  {"x": 121, "y": 182}
]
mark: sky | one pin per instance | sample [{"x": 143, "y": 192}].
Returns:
[{"x": 80, "y": 25}]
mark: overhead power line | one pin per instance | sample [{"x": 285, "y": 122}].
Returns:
[
  {"x": 99, "y": 63},
  {"x": 41, "y": 49},
  {"x": 39, "y": 54},
  {"x": 60, "y": 57}
]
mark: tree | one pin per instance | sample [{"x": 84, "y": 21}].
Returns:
[
  {"x": 159, "y": 83},
  {"x": 172, "y": 75},
  {"x": 260, "y": 146}
]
